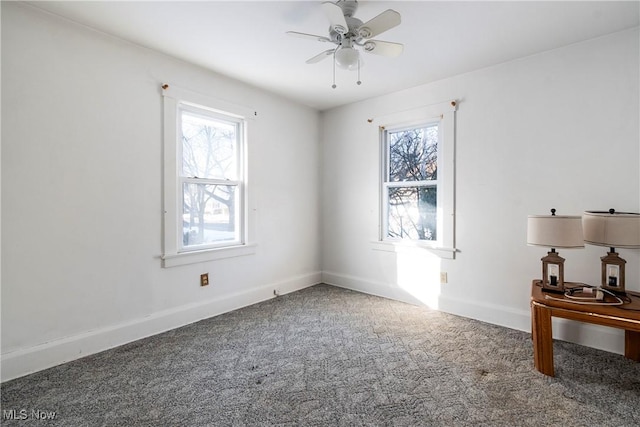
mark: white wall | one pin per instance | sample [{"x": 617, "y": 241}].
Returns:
[
  {"x": 555, "y": 130},
  {"x": 82, "y": 195}
]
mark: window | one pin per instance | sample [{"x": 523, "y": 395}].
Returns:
[
  {"x": 210, "y": 178},
  {"x": 205, "y": 215},
  {"x": 416, "y": 185},
  {"x": 411, "y": 183}
]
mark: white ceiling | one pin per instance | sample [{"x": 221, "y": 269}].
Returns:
[{"x": 246, "y": 39}]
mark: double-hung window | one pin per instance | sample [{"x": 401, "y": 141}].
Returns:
[
  {"x": 410, "y": 188},
  {"x": 417, "y": 174},
  {"x": 210, "y": 151},
  {"x": 204, "y": 179}
]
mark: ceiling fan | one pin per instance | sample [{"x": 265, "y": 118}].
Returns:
[{"x": 351, "y": 35}]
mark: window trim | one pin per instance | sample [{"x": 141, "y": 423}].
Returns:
[
  {"x": 173, "y": 253},
  {"x": 444, "y": 114}
]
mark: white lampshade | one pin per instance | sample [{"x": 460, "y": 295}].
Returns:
[
  {"x": 555, "y": 231},
  {"x": 616, "y": 230}
]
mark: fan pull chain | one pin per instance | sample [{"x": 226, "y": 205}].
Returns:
[
  {"x": 334, "y": 70},
  {"x": 359, "y": 82}
]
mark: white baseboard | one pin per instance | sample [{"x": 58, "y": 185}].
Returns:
[
  {"x": 26, "y": 361},
  {"x": 602, "y": 338}
]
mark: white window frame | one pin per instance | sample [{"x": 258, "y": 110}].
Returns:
[
  {"x": 240, "y": 125},
  {"x": 444, "y": 115},
  {"x": 387, "y": 184},
  {"x": 174, "y": 254}
]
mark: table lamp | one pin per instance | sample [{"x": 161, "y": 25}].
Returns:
[
  {"x": 615, "y": 230},
  {"x": 554, "y": 231}
]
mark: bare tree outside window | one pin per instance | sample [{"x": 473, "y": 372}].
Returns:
[
  {"x": 209, "y": 178},
  {"x": 412, "y": 183}
]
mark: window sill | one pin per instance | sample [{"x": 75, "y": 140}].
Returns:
[
  {"x": 184, "y": 258},
  {"x": 403, "y": 246}
]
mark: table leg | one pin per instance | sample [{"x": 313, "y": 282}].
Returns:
[
  {"x": 542, "y": 339},
  {"x": 632, "y": 345}
]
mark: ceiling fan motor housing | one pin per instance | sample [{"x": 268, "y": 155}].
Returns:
[{"x": 352, "y": 33}]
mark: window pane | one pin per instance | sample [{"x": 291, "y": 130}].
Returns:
[
  {"x": 412, "y": 213},
  {"x": 209, "y": 214},
  {"x": 208, "y": 147},
  {"x": 413, "y": 154}
]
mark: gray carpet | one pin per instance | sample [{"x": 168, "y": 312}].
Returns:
[{"x": 326, "y": 356}]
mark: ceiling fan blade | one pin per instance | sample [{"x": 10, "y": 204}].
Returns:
[
  {"x": 309, "y": 36},
  {"x": 336, "y": 17},
  {"x": 383, "y": 48},
  {"x": 319, "y": 57},
  {"x": 378, "y": 25}
]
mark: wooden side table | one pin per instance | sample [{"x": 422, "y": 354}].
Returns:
[{"x": 543, "y": 309}]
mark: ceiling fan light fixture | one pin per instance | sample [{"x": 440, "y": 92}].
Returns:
[
  {"x": 347, "y": 58},
  {"x": 351, "y": 35}
]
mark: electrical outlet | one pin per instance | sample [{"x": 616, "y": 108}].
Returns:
[
  {"x": 443, "y": 277},
  {"x": 204, "y": 279}
]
